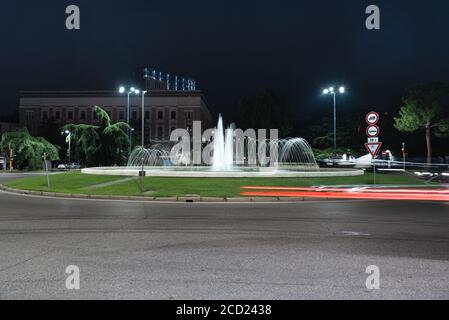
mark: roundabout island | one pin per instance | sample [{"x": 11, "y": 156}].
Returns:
[
  {"x": 231, "y": 155},
  {"x": 205, "y": 172}
]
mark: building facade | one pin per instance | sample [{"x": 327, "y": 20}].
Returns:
[
  {"x": 165, "y": 110},
  {"x": 8, "y": 127}
]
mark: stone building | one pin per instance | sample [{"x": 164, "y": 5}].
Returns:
[{"x": 165, "y": 110}]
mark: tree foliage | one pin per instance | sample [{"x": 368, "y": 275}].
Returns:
[
  {"x": 28, "y": 150},
  {"x": 425, "y": 108},
  {"x": 266, "y": 111},
  {"x": 105, "y": 144},
  {"x": 323, "y": 135}
]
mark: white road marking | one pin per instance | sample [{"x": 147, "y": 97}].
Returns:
[{"x": 354, "y": 234}]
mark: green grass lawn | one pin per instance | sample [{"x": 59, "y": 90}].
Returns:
[
  {"x": 78, "y": 183},
  {"x": 64, "y": 182}
]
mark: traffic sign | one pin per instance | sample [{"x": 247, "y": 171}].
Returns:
[
  {"x": 373, "y": 147},
  {"x": 372, "y": 131},
  {"x": 372, "y": 117},
  {"x": 375, "y": 139}
]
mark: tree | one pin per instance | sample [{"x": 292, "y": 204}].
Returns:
[
  {"x": 105, "y": 144},
  {"x": 266, "y": 111},
  {"x": 28, "y": 150},
  {"x": 425, "y": 108},
  {"x": 322, "y": 135},
  {"x": 52, "y": 132}
]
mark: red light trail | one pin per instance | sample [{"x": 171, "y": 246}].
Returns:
[{"x": 350, "y": 193}]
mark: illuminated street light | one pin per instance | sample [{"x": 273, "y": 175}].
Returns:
[
  {"x": 132, "y": 90},
  {"x": 331, "y": 91},
  {"x": 68, "y": 140},
  {"x": 143, "y": 118},
  {"x": 142, "y": 171}
]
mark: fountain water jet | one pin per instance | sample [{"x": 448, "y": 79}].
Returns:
[
  {"x": 294, "y": 159},
  {"x": 223, "y": 144}
]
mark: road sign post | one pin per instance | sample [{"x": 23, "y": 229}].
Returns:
[
  {"x": 373, "y": 145},
  {"x": 373, "y": 148},
  {"x": 142, "y": 174},
  {"x": 372, "y": 131},
  {"x": 46, "y": 170},
  {"x": 372, "y": 118},
  {"x": 403, "y": 155}
]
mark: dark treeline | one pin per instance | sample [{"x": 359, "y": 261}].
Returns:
[{"x": 268, "y": 110}]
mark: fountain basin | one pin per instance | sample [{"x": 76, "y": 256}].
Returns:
[{"x": 240, "y": 172}]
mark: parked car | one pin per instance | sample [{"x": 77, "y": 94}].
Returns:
[
  {"x": 69, "y": 166},
  {"x": 346, "y": 160}
]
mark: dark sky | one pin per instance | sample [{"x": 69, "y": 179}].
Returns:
[{"x": 232, "y": 48}]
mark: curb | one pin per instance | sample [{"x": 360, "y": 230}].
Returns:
[{"x": 183, "y": 199}]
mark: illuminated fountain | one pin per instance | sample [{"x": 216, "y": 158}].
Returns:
[
  {"x": 223, "y": 159},
  {"x": 232, "y": 156}
]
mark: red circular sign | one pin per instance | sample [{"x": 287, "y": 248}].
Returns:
[
  {"x": 372, "y": 118},
  {"x": 372, "y": 131}
]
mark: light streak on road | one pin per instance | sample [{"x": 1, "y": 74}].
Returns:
[{"x": 349, "y": 193}]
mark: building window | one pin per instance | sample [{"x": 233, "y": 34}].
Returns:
[
  {"x": 69, "y": 115},
  {"x": 94, "y": 115},
  {"x": 58, "y": 115},
  {"x": 83, "y": 115},
  {"x": 173, "y": 115},
  {"x": 160, "y": 115},
  {"x": 160, "y": 132},
  {"x": 134, "y": 115},
  {"x": 189, "y": 115},
  {"x": 172, "y": 129},
  {"x": 30, "y": 115},
  {"x": 147, "y": 115},
  {"x": 44, "y": 115}
]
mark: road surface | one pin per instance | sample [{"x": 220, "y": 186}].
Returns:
[{"x": 307, "y": 250}]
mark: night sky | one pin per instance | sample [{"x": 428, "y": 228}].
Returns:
[{"x": 232, "y": 48}]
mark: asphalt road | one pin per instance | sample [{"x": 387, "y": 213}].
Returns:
[{"x": 308, "y": 250}]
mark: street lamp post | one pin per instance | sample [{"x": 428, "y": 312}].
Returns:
[
  {"x": 129, "y": 92},
  {"x": 68, "y": 140},
  {"x": 332, "y": 91},
  {"x": 143, "y": 118},
  {"x": 142, "y": 171}
]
